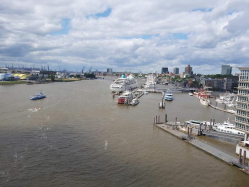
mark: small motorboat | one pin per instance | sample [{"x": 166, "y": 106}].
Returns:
[
  {"x": 134, "y": 101},
  {"x": 190, "y": 93},
  {"x": 38, "y": 96}
]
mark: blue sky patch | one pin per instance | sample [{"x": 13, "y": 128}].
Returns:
[
  {"x": 203, "y": 9},
  {"x": 145, "y": 37},
  {"x": 180, "y": 36},
  {"x": 106, "y": 13},
  {"x": 232, "y": 11},
  {"x": 65, "y": 24}
]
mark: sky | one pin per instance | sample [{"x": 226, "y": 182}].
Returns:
[{"x": 133, "y": 36}]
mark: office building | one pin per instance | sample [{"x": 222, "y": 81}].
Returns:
[
  {"x": 109, "y": 70},
  {"x": 188, "y": 70},
  {"x": 165, "y": 70},
  {"x": 226, "y": 70},
  {"x": 176, "y": 71}
]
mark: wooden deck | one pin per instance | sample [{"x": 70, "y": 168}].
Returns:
[{"x": 225, "y": 157}]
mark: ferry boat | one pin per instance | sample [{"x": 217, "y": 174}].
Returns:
[
  {"x": 37, "y": 96},
  {"x": 168, "y": 95},
  {"x": 151, "y": 81},
  {"x": 196, "y": 123},
  {"x": 123, "y": 83},
  {"x": 125, "y": 98}
]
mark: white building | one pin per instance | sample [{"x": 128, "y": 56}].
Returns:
[{"x": 242, "y": 114}]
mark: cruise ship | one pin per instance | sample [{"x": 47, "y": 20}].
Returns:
[
  {"x": 123, "y": 83},
  {"x": 151, "y": 81}
]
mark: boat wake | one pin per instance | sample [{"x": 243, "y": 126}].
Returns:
[
  {"x": 106, "y": 144},
  {"x": 34, "y": 109}
]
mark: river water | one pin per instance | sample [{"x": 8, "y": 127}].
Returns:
[{"x": 80, "y": 136}]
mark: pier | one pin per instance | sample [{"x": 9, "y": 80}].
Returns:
[
  {"x": 171, "y": 128},
  {"x": 160, "y": 90},
  {"x": 218, "y": 108}
]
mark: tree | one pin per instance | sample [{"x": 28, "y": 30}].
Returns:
[{"x": 52, "y": 77}]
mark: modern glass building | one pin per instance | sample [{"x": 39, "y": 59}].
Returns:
[
  {"x": 165, "y": 70},
  {"x": 242, "y": 114},
  {"x": 226, "y": 70},
  {"x": 176, "y": 71}
]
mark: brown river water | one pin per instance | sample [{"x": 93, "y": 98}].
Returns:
[{"x": 80, "y": 136}]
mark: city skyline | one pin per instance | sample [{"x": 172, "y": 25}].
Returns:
[{"x": 76, "y": 34}]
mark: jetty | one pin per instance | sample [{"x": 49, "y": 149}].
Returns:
[
  {"x": 172, "y": 128},
  {"x": 160, "y": 90},
  {"x": 218, "y": 108}
]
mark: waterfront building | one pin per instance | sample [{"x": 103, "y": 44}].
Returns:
[
  {"x": 226, "y": 70},
  {"x": 224, "y": 84},
  {"x": 165, "y": 70},
  {"x": 242, "y": 113},
  {"x": 109, "y": 71},
  {"x": 188, "y": 70},
  {"x": 176, "y": 71}
]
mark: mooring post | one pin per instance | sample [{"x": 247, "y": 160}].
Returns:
[
  {"x": 211, "y": 121},
  {"x": 200, "y": 130},
  {"x": 166, "y": 118},
  {"x": 244, "y": 158},
  {"x": 240, "y": 151},
  {"x": 176, "y": 121},
  {"x": 188, "y": 131}
]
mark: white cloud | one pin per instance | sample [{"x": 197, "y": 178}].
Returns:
[{"x": 136, "y": 36}]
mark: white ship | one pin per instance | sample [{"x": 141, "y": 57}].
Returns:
[
  {"x": 151, "y": 81},
  {"x": 204, "y": 102},
  {"x": 122, "y": 84},
  {"x": 168, "y": 95},
  {"x": 227, "y": 127}
]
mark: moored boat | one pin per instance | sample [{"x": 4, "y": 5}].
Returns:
[
  {"x": 134, "y": 102},
  {"x": 123, "y": 83},
  {"x": 125, "y": 98},
  {"x": 190, "y": 93},
  {"x": 204, "y": 102},
  {"x": 151, "y": 81},
  {"x": 168, "y": 95},
  {"x": 38, "y": 96},
  {"x": 227, "y": 127}
]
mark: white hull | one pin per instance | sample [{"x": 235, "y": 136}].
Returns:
[
  {"x": 149, "y": 86},
  {"x": 114, "y": 88},
  {"x": 228, "y": 131},
  {"x": 203, "y": 102}
]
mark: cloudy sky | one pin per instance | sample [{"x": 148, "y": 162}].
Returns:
[{"x": 130, "y": 35}]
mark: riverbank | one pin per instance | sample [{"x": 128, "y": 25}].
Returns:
[
  {"x": 12, "y": 82},
  {"x": 39, "y": 81}
]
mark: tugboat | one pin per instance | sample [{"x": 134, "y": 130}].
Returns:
[{"x": 37, "y": 96}]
